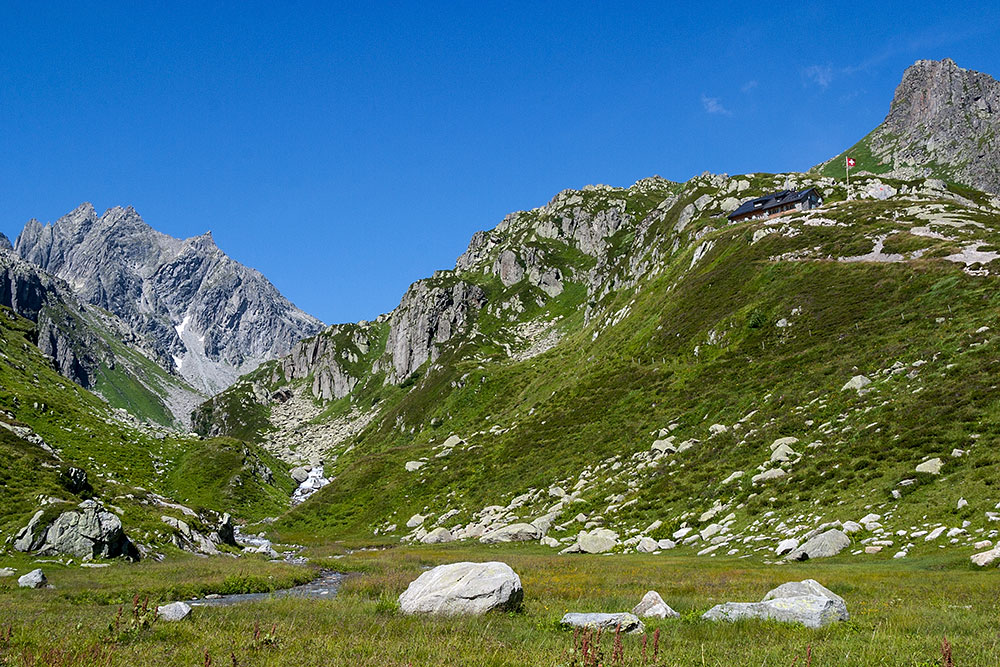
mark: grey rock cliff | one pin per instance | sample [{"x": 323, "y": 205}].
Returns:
[
  {"x": 943, "y": 119},
  {"x": 204, "y": 313},
  {"x": 5, "y": 242}
]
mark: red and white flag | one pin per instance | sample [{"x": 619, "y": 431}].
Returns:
[{"x": 850, "y": 162}]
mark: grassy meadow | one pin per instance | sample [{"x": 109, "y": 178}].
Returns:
[{"x": 900, "y": 612}]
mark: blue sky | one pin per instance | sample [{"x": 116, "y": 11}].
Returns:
[{"x": 346, "y": 150}]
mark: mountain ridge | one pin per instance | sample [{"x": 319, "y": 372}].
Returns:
[{"x": 206, "y": 315}]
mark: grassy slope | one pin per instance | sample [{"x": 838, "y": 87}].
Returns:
[
  {"x": 589, "y": 400},
  {"x": 117, "y": 456}
]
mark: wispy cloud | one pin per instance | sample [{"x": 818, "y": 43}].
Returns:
[
  {"x": 749, "y": 85},
  {"x": 714, "y": 105},
  {"x": 821, "y": 75}
]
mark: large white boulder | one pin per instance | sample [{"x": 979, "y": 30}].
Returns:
[
  {"x": 439, "y": 535},
  {"x": 986, "y": 557},
  {"x": 858, "y": 382},
  {"x": 646, "y": 545},
  {"x": 463, "y": 588},
  {"x": 932, "y": 466}
]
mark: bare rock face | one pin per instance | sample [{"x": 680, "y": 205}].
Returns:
[
  {"x": 463, "y": 588},
  {"x": 211, "y": 316},
  {"x": 5, "y": 243},
  {"x": 946, "y": 117},
  {"x": 428, "y": 316}
]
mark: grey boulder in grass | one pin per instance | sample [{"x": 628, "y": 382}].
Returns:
[
  {"x": 175, "y": 611},
  {"x": 629, "y": 622},
  {"x": 806, "y": 602},
  {"x": 824, "y": 545},
  {"x": 463, "y": 588},
  {"x": 34, "y": 579}
]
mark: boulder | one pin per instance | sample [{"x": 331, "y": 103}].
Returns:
[
  {"x": 986, "y": 557},
  {"x": 300, "y": 474},
  {"x": 812, "y": 611},
  {"x": 653, "y": 606},
  {"x": 858, "y": 382},
  {"x": 597, "y": 541},
  {"x": 646, "y": 545},
  {"x": 782, "y": 453},
  {"x": 75, "y": 480},
  {"x": 787, "y": 441},
  {"x": 175, "y": 611},
  {"x": 437, "y": 536},
  {"x": 628, "y": 622},
  {"x": 7, "y": 572},
  {"x": 415, "y": 521},
  {"x": 463, "y": 588},
  {"x": 87, "y": 531},
  {"x": 851, "y": 527},
  {"x": 768, "y": 475},
  {"x": 666, "y": 544},
  {"x": 824, "y": 545},
  {"x": 932, "y": 466},
  {"x": 515, "y": 532},
  {"x": 794, "y": 589},
  {"x": 225, "y": 532},
  {"x": 413, "y": 466},
  {"x": 549, "y": 542},
  {"x": 786, "y": 546},
  {"x": 34, "y": 579}
]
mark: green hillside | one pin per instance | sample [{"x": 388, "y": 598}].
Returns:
[{"x": 758, "y": 334}]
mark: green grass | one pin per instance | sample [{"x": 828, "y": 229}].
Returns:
[{"x": 900, "y": 612}]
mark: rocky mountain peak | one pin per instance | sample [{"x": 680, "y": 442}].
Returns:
[
  {"x": 5, "y": 243},
  {"x": 208, "y": 316},
  {"x": 944, "y": 121}
]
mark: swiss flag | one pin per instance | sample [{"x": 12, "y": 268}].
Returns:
[{"x": 850, "y": 162}]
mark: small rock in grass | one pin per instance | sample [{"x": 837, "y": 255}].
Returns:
[
  {"x": 7, "y": 572},
  {"x": 858, "y": 382},
  {"x": 628, "y": 622},
  {"x": 932, "y": 466},
  {"x": 653, "y": 606},
  {"x": 173, "y": 612},
  {"x": 34, "y": 579}
]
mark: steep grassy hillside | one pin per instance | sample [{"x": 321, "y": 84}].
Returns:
[
  {"x": 723, "y": 338},
  {"x": 50, "y": 424}
]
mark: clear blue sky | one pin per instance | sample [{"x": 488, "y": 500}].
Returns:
[{"x": 347, "y": 150}]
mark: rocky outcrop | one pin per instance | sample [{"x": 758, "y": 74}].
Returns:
[
  {"x": 944, "y": 121},
  {"x": 5, "y": 243},
  {"x": 88, "y": 531},
  {"x": 463, "y": 588},
  {"x": 428, "y": 316},
  {"x": 211, "y": 316}
]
